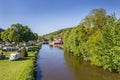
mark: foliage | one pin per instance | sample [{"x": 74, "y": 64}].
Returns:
[
  {"x": 96, "y": 39},
  {"x": 24, "y": 52},
  {"x": 96, "y": 19},
  {"x": 4, "y": 35},
  {"x": 31, "y": 74},
  {"x": 18, "y": 33},
  {"x": 111, "y": 45},
  {"x": 1, "y": 30},
  {"x": 35, "y": 36}
]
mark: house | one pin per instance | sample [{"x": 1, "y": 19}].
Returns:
[{"x": 58, "y": 40}]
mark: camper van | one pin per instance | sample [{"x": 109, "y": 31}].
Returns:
[{"x": 15, "y": 56}]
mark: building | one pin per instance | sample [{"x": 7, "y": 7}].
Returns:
[{"x": 58, "y": 40}]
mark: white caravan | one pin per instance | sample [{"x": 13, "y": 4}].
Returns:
[{"x": 15, "y": 56}]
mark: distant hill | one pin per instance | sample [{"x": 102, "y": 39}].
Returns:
[{"x": 51, "y": 35}]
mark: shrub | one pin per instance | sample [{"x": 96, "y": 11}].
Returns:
[
  {"x": 2, "y": 56},
  {"x": 24, "y": 52}
]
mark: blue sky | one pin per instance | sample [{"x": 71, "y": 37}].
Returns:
[{"x": 45, "y": 16}]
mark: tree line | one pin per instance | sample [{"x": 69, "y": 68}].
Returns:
[{"x": 96, "y": 39}]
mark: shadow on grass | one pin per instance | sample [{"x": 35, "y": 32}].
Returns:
[
  {"x": 6, "y": 58},
  {"x": 22, "y": 59}
]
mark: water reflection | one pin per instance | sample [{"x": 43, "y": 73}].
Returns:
[
  {"x": 84, "y": 71},
  {"x": 54, "y": 64},
  {"x": 51, "y": 65}
]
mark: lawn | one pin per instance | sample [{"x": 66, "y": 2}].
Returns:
[{"x": 15, "y": 70}]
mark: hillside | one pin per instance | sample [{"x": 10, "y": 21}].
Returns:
[{"x": 50, "y": 36}]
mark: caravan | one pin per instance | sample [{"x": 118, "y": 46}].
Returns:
[{"x": 15, "y": 56}]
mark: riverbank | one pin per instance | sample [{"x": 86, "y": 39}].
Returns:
[
  {"x": 55, "y": 64},
  {"x": 20, "y": 69}
]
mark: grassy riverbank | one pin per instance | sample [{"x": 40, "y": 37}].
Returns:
[{"x": 19, "y": 69}]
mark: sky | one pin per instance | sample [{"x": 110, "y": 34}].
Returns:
[{"x": 45, "y": 16}]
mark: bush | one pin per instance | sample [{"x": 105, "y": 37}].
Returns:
[
  {"x": 31, "y": 73},
  {"x": 32, "y": 70},
  {"x": 2, "y": 56},
  {"x": 24, "y": 52}
]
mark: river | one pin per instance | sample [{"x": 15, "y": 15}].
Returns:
[{"x": 55, "y": 64}]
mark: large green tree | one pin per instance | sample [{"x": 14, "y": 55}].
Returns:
[
  {"x": 35, "y": 36},
  {"x": 96, "y": 39},
  {"x": 18, "y": 33},
  {"x": 96, "y": 18}
]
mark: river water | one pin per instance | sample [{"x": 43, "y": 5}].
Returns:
[{"x": 55, "y": 64}]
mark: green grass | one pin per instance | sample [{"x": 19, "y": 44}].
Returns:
[{"x": 15, "y": 70}]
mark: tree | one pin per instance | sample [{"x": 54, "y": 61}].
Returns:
[
  {"x": 24, "y": 52},
  {"x": 18, "y": 33},
  {"x": 87, "y": 21},
  {"x": 96, "y": 39},
  {"x": 27, "y": 34},
  {"x": 4, "y": 35},
  {"x": 36, "y": 36},
  {"x": 1, "y": 30},
  {"x": 98, "y": 17}
]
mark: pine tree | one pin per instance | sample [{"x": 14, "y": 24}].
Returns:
[{"x": 24, "y": 52}]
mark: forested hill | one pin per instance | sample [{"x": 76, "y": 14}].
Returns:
[{"x": 50, "y": 36}]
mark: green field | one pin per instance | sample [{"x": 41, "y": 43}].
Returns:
[{"x": 15, "y": 70}]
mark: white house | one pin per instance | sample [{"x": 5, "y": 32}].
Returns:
[{"x": 58, "y": 40}]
